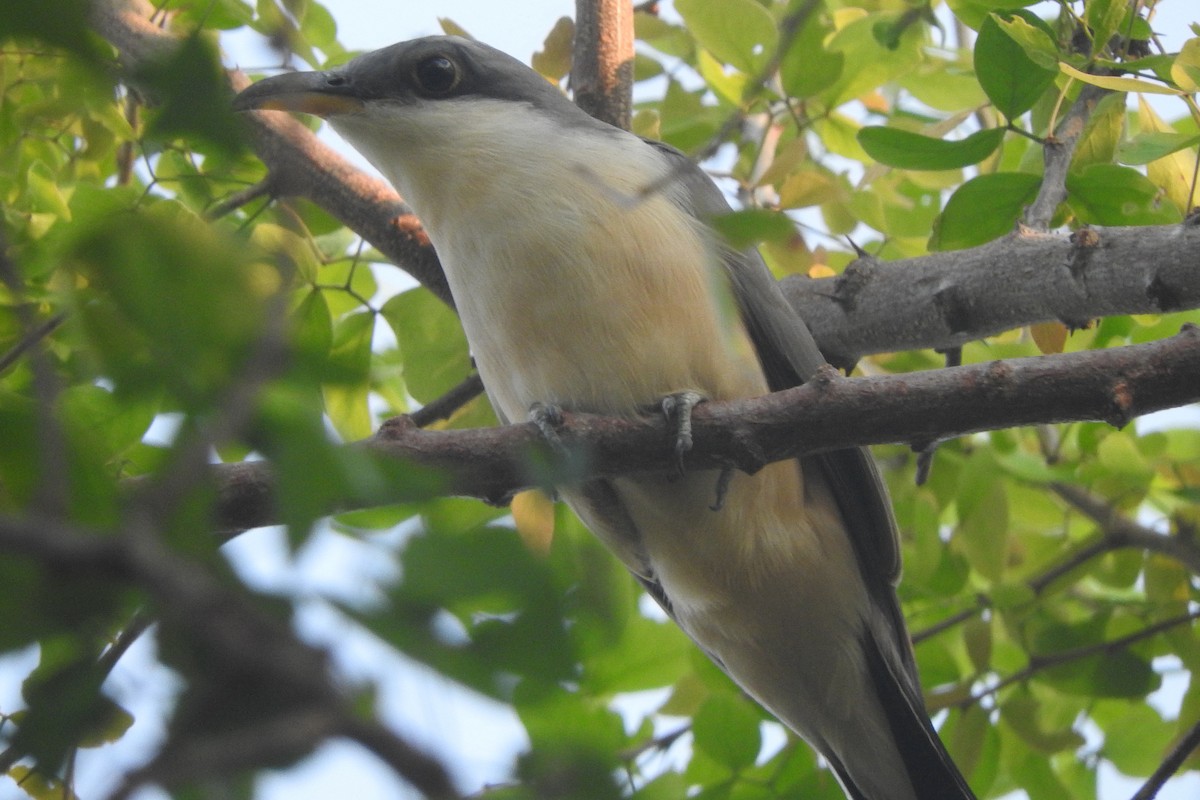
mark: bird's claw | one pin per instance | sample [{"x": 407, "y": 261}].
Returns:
[
  {"x": 548, "y": 418},
  {"x": 723, "y": 480},
  {"x": 677, "y": 408}
]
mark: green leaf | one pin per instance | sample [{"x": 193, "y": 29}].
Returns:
[
  {"x": 1104, "y": 18},
  {"x": 1146, "y": 147},
  {"x": 907, "y": 150},
  {"x": 113, "y": 424},
  {"x": 807, "y": 68},
  {"x": 747, "y": 228},
  {"x": 648, "y": 655},
  {"x": 983, "y": 530},
  {"x": 65, "y": 704},
  {"x": 219, "y": 14},
  {"x": 973, "y": 744},
  {"x": 726, "y": 728},
  {"x": 140, "y": 267},
  {"x": 1137, "y": 742},
  {"x": 868, "y": 64},
  {"x": 1120, "y": 674},
  {"x": 193, "y": 98},
  {"x": 1101, "y": 132},
  {"x": 974, "y": 12},
  {"x": 39, "y": 786},
  {"x": 319, "y": 27},
  {"x": 1010, "y": 77},
  {"x": 1108, "y": 194},
  {"x": 350, "y": 356},
  {"x": 431, "y": 339},
  {"x": 503, "y": 598},
  {"x": 312, "y": 331},
  {"x": 738, "y": 32},
  {"x": 292, "y": 251},
  {"x": 1024, "y": 714},
  {"x": 1118, "y": 453},
  {"x": 45, "y": 193},
  {"x": 728, "y": 86},
  {"x": 1034, "y": 35},
  {"x": 1174, "y": 174},
  {"x": 982, "y": 209}
]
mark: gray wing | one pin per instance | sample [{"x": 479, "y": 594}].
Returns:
[{"x": 789, "y": 356}]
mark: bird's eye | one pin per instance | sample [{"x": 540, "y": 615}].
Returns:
[{"x": 436, "y": 76}]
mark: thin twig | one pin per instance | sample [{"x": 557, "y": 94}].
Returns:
[
  {"x": 443, "y": 407},
  {"x": 1170, "y": 765},
  {"x": 238, "y": 199},
  {"x": 1121, "y": 531},
  {"x": 1041, "y": 662},
  {"x": 31, "y": 338}
]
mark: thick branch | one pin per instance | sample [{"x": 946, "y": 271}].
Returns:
[
  {"x": 602, "y": 66},
  {"x": 830, "y": 412},
  {"x": 947, "y": 299}
]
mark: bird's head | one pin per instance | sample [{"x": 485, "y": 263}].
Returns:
[{"x": 422, "y": 109}]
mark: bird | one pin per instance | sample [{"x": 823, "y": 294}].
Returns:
[{"x": 588, "y": 277}]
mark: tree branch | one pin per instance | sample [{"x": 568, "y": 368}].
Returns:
[
  {"x": 602, "y": 65},
  {"x": 828, "y": 413},
  {"x": 1039, "y": 662},
  {"x": 1119, "y": 531},
  {"x": 1116, "y": 532},
  {"x": 945, "y": 300},
  {"x": 1056, "y": 156}
]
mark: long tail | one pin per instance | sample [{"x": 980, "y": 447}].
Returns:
[{"x": 931, "y": 771}]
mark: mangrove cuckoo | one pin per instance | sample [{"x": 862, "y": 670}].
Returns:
[{"x": 587, "y": 278}]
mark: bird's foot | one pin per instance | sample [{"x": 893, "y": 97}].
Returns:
[
  {"x": 548, "y": 418},
  {"x": 677, "y": 408}
]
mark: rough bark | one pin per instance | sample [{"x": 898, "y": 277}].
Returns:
[
  {"x": 944, "y": 300},
  {"x": 829, "y": 412},
  {"x": 602, "y": 67}
]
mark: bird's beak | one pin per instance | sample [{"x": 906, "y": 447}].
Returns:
[{"x": 322, "y": 94}]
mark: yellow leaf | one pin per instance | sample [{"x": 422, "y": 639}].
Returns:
[
  {"x": 1117, "y": 84},
  {"x": 1049, "y": 336},
  {"x": 820, "y": 271},
  {"x": 533, "y": 513},
  {"x": 1173, "y": 173},
  {"x": 1186, "y": 69},
  {"x": 808, "y": 187}
]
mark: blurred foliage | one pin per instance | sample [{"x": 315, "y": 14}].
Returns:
[{"x": 136, "y": 300}]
